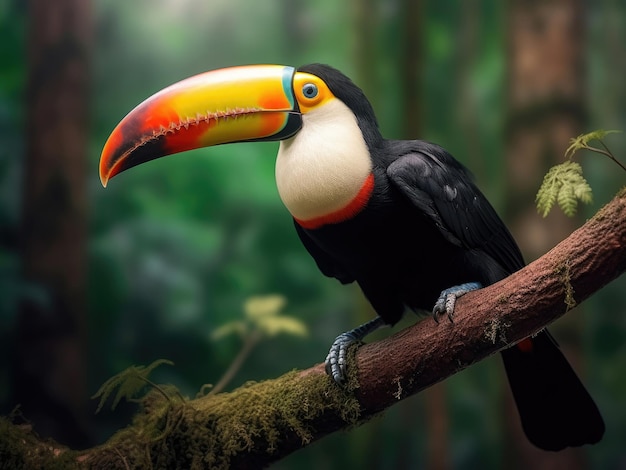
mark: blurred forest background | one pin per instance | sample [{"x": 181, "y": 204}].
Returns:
[{"x": 93, "y": 281}]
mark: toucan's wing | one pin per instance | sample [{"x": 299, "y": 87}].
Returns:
[
  {"x": 439, "y": 186},
  {"x": 327, "y": 264}
]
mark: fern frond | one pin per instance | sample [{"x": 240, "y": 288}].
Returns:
[
  {"x": 567, "y": 200},
  {"x": 563, "y": 184},
  {"x": 583, "y": 192},
  {"x": 582, "y": 141},
  {"x": 128, "y": 383},
  {"x": 546, "y": 196}
]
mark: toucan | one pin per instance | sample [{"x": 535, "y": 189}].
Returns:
[{"x": 401, "y": 218}]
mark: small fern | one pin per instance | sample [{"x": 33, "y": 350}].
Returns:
[
  {"x": 564, "y": 184},
  {"x": 129, "y": 384},
  {"x": 582, "y": 143}
]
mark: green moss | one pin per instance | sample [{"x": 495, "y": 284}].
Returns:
[
  {"x": 563, "y": 271},
  {"x": 211, "y": 431},
  {"x": 253, "y": 425},
  {"x": 20, "y": 448}
]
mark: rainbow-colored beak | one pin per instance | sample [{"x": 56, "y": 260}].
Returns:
[{"x": 249, "y": 103}]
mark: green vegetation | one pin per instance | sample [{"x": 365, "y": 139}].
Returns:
[{"x": 564, "y": 183}]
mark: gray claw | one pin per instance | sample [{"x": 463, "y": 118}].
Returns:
[
  {"x": 336, "y": 358},
  {"x": 447, "y": 300},
  {"x": 445, "y": 306}
]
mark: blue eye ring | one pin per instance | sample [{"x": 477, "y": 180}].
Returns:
[{"x": 309, "y": 90}]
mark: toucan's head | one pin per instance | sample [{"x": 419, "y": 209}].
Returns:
[
  {"x": 238, "y": 104},
  {"x": 326, "y": 126}
]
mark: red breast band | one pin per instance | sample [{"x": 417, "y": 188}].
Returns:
[{"x": 353, "y": 208}]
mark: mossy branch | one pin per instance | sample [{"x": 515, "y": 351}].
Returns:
[{"x": 261, "y": 423}]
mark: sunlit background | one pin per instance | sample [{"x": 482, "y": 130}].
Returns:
[{"x": 173, "y": 249}]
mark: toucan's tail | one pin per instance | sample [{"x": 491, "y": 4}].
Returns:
[{"x": 555, "y": 408}]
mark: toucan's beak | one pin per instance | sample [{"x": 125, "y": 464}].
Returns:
[{"x": 235, "y": 104}]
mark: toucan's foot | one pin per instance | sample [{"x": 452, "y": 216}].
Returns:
[
  {"x": 336, "y": 360},
  {"x": 447, "y": 300}
]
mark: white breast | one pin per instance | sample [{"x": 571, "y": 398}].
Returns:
[{"x": 322, "y": 168}]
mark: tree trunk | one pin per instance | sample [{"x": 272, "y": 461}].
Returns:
[
  {"x": 365, "y": 20},
  {"x": 546, "y": 108},
  {"x": 468, "y": 107},
  {"x": 49, "y": 379},
  {"x": 410, "y": 68}
]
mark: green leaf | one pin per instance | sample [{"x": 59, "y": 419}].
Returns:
[
  {"x": 128, "y": 383},
  {"x": 582, "y": 141},
  {"x": 229, "y": 328},
  {"x": 263, "y": 318},
  {"x": 261, "y": 306},
  {"x": 566, "y": 200},
  {"x": 563, "y": 184},
  {"x": 272, "y": 326}
]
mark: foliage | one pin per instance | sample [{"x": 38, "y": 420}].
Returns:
[
  {"x": 129, "y": 383},
  {"x": 582, "y": 143},
  {"x": 262, "y": 319},
  {"x": 41, "y": 454},
  {"x": 212, "y": 430},
  {"x": 262, "y": 314},
  {"x": 564, "y": 183}
]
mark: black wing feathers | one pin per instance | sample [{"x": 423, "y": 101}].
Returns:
[{"x": 442, "y": 188}]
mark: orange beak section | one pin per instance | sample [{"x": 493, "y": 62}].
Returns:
[{"x": 238, "y": 104}]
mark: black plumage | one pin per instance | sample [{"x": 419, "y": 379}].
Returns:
[{"x": 426, "y": 228}]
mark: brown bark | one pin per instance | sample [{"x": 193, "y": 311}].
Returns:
[
  {"x": 262, "y": 423},
  {"x": 49, "y": 369}
]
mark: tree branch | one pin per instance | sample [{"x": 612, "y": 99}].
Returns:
[{"x": 263, "y": 422}]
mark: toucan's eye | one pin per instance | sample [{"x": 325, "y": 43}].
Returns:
[{"x": 309, "y": 90}]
